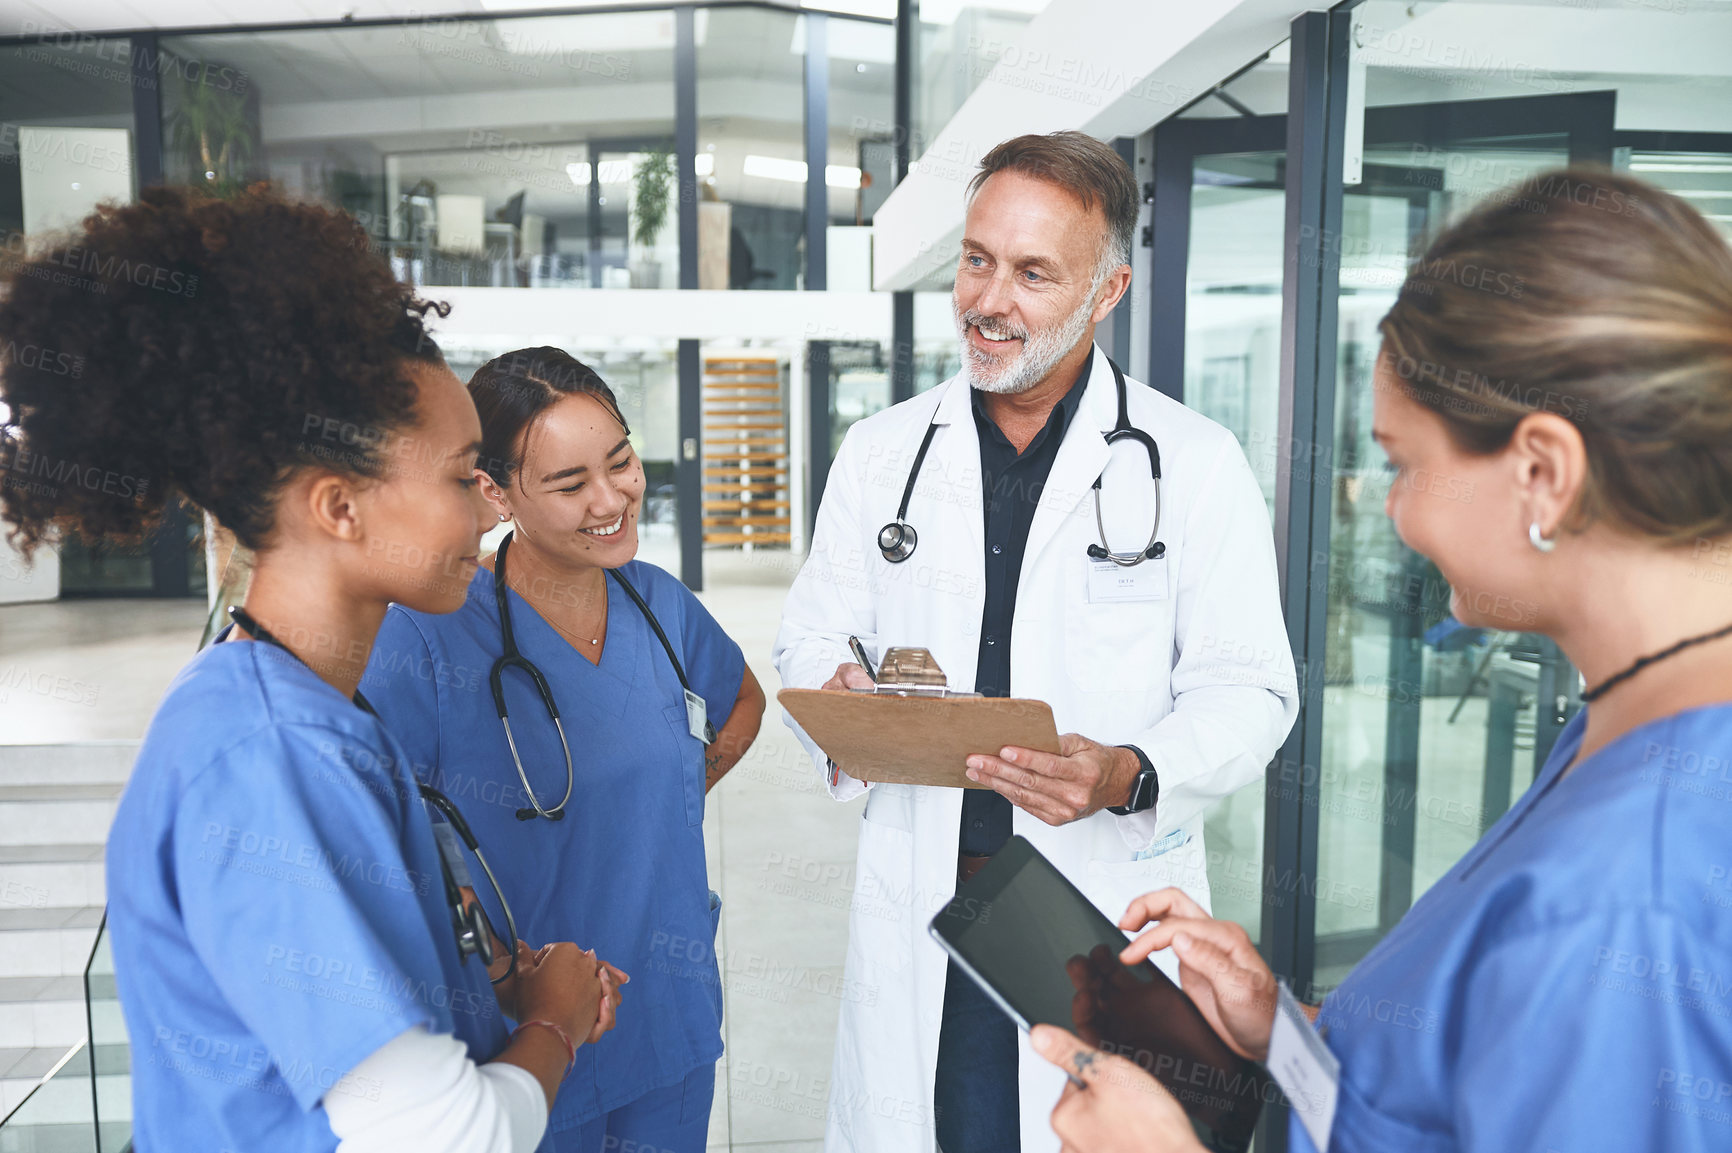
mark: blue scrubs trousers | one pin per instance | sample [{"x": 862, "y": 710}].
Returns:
[
  {"x": 975, "y": 1096},
  {"x": 675, "y": 1119}
]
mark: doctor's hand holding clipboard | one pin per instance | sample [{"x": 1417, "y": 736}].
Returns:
[{"x": 1083, "y": 778}]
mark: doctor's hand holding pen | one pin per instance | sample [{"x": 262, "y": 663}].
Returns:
[
  {"x": 1120, "y": 1106},
  {"x": 848, "y": 676}
]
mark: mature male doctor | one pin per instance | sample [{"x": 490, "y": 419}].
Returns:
[{"x": 1177, "y": 667}]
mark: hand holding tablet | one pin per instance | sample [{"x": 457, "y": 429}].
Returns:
[{"x": 1047, "y": 956}]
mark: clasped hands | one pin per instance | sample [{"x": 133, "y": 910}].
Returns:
[
  {"x": 559, "y": 982},
  {"x": 1081, "y": 779}
]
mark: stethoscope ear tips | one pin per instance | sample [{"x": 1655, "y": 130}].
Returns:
[{"x": 896, "y": 541}]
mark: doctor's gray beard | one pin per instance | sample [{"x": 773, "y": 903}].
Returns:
[{"x": 1041, "y": 351}]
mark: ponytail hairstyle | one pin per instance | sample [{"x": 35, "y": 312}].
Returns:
[
  {"x": 1603, "y": 299},
  {"x": 188, "y": 346},
  {"x": 511, "y": 392}
]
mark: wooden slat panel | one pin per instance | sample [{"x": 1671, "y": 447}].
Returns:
[
  {"x": 752, "y": 538},
  {"x": 753, "y": 505}
]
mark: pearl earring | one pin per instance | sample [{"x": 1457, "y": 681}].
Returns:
[
  {"x": 1538, "y": 540},
  {"x": 501, "y": 516}
]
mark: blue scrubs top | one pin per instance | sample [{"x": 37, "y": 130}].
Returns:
[
  {"x": 276, "y": 907},
  {"x": 1568, "y": 985},
  {"x": 623, "y": 871}
]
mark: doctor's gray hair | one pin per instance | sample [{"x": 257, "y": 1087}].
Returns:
[{"x": 1088, "y": 169}]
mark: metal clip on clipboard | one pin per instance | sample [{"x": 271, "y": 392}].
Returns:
[{"x": 911, "y": 672}]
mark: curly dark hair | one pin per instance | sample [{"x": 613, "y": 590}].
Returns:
[{"x": 184, "y": 345}]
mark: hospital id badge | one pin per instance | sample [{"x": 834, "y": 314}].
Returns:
[
  {"x": 1111, "y": 583},
  {"x": 698, "y": 718},
  {"x": 1304, "y": 1067}
]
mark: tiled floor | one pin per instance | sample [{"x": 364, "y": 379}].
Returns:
[{"x": 781, "y": 852}]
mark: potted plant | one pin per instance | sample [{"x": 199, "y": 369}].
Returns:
[
  {"x": 209, "y": 126},
  {"x": 651, "y": 193}
]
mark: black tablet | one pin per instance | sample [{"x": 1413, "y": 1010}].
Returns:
[{"x": 1047, "y": 956}]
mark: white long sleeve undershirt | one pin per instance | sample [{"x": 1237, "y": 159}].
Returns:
[{"x": 421, "y": 1091}]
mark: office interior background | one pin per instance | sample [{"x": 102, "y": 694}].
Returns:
[{"x": 746, "y": 215}]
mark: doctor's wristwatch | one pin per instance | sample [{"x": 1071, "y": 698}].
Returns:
[{"x": 1145, "y": 791}]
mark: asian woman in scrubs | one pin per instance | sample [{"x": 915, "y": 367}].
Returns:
[
  {"x": 619, "y": 863},
  {"x": 1568, "y": 984},
  {"x": 286, "y": 957}
]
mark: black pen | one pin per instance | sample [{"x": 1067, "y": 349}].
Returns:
[{"x": 861, "y": 657}]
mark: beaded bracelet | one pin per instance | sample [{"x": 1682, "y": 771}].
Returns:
[{"x": 565, "y": 1038}]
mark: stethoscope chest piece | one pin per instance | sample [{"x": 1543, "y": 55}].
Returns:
[{"x": 896, "y": 541}]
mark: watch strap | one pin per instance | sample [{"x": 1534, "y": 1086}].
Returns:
[{"x": 1145, "y": 791}]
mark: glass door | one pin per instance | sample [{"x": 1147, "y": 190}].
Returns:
[
  {"x": 1219, "y": 212},
  {"x": 1429, "y": 728}
]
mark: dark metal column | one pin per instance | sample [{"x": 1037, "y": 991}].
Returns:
[
  {"x": 901, "y": 141},
  {"x": 1316, "y": 115},
  {"x": 689, "y": 469},
  {"x": 817, "y": 149},
  {"x": 1170, "y": 237},
  {"x": 817, "y": 253},
  {"x": 146, "y": 109},
  {"x": 1118, "y": 345},
  {"x": 902, "y": 347},
  {"x": 170, "y": 545},
  {"x": 902, "y": 303}
]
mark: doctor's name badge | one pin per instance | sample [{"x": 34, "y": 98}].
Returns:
[{"x": 1109, "y": 582}]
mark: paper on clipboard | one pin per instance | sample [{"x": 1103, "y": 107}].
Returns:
[{"x": 917, "y": 740}]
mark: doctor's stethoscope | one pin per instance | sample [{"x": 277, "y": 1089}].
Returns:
[
  {"x": 512, "y": 658},
  {"x": 473, "y": 930},
  {"x": 898, "y": 539}
]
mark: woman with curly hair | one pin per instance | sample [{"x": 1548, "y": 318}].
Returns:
[
  {"x": 1564, "y": 986},
  {"x": 283, "y": 927}
]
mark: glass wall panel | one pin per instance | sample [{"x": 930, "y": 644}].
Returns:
[
  {"x": 751, "y": 149},
  {"x": 528, "y": 152},
  {"x": 1430, "y": 729},
  {"x": 1696, "y": 166},
  {"x": 65, "y": 135},
  {"x": 1233, "y": 271},
  {"x": 1235, "y": 163},
  {"x": 66, "y": 145},
  {"x": 859, "y": 385},
  {"x": 956, "y": 45},
  {"x": 937, "y": 346},
  {"x": 861, "y": 167}
]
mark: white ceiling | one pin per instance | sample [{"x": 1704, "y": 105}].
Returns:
[{"x": 29, "y": 17}]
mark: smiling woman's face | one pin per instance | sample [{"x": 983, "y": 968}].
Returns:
[
  {"x": 1461, "y": 510},
  {"x": 577, "y": 492}
]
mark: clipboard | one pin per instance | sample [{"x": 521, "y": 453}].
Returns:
[{"x": 917, "y": 739}]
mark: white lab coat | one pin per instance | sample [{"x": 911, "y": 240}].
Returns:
[{"x": 1200, "y": 678}]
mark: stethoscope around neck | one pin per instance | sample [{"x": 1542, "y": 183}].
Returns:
[
  {"x": 897, "y": 540},
  {"x": 469, "y": 923},
  {"x": 512, "y": 658}
]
